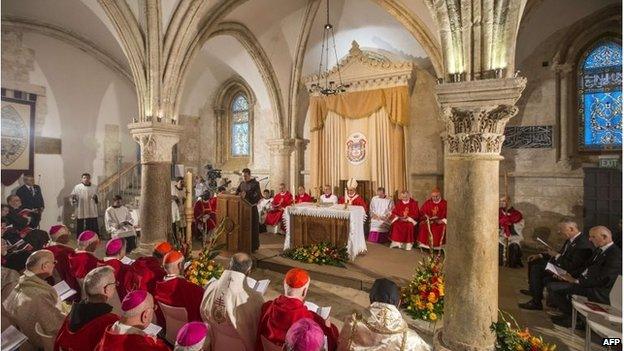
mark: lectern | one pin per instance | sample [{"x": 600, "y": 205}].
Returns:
[{"x": 239, "y": 212}]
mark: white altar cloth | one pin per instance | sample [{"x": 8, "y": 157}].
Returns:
[{"x": 356, "y": 215}]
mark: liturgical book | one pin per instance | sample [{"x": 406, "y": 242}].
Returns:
[
  {"x": 321, "y": 311},
  {"x": 12, "y": 339},
  {"x": 64, "y": 291}
]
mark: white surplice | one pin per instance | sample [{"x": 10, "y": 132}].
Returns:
[
  {"x": 382, "y": 208},
  {"x": 87, "y": 208},
  {"x": 264, "y": 206},
  {"x": 233, "y": 310},
  {"x": 333, "y": 199},
  {"x": 113, "y": 217}
]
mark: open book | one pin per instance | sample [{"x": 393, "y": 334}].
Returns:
[
  {"x": 321, "y": 311},
  {"x": 64, "y": 291},
  {"x": 12, "y": 339},
  {"x": 260, "y": 286},
  {"x": 152, "y": 329},
  {"x": 127, "y": 260},
  {"x": 555, "y": 269}
]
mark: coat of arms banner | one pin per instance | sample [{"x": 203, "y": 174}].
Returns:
[
  {"x": 18, "y": 148},
  {"x": 359, "y": 135}
]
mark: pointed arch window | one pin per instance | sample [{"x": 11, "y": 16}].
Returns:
[
  {"x": 599, "y": 81},
  {"x": 239, "y": 126}
]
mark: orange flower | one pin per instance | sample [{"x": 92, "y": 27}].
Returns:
[{"x": 432, "y": 297}]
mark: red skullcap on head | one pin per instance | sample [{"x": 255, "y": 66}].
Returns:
[
  {"x": 113, "y": 246},
  {"x": 191, "y": 334},
  {"x": 173, "y": 257},
  {"x": 435, "y": 190},
  {"x": 87, "y": 236},
  {"x": 133, "y": 299},
  {"x": 297, "y": 278},
  {"x": 55, "y": 231},
  {"x": 163, "y": 248}
]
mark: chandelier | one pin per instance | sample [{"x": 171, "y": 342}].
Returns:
[{"x": 323, "y": 85}]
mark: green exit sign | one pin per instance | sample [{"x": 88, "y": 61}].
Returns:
[{"x": 609, "y": 162}]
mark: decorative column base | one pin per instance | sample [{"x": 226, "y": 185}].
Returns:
[{"x": 156, "y": 141}]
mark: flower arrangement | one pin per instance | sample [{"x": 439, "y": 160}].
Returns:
[
  {"x": 514, "y": 338},
  {"x": 423, "y": 298},
  {"x": 323, "y": 253},
  {"x": 204, "y": 267}
]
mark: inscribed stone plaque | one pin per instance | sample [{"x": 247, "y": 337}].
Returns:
[{"x": 528, "y": 137}]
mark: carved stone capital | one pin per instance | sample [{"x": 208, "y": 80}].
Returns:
[
  {"x": 281, "y": 147},
  {"x": 475, "y": 114},
  {"x": 156, "y": 140}
]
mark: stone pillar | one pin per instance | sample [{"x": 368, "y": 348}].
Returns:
[
  {"x": 156, "y": 140},
  {"x": 562, "y": 94},
  {"x": 475, "y": 114},
  {"x": 280, "y": 150},
  {"x": 298, "y": 162}
]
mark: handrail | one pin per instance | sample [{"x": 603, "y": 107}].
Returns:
[{"x": 113, "y": 179}]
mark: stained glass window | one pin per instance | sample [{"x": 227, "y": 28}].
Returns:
[
  {"x": 239, "y": 122},
  {"x": 600, "y": 97}
]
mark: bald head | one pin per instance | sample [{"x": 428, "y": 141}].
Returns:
[
  {"x": 241, "y": 262},
  {"x": 41, "y": 262},
  {"x": 600, "y": 236}
]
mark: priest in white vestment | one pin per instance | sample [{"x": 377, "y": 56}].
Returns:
[
  {"x": 119, "y": 221},
  {"x": 327, "y": 196},
  {"x": 84, "y": 197},
  {"x": 380, "y": 211},
  {"x": 232, "y": 308},
  {"x": 264, "y": 205}
]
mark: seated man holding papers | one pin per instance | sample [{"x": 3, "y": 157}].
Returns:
[
  {"x": 232, "y": 307},
  {"x": 278, "y": 315},
  {"x": 572, "y": 257}
]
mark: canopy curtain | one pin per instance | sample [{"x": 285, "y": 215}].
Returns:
[{"x": 380, "y": 115}]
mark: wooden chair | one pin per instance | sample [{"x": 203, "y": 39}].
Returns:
[{"x": 175, "y": 318}]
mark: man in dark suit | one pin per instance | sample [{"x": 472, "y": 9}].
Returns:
[
  {"x": 595, "y": 282},
  {"x": 32, "y": 199},
  {"x": 249, "y": 189},
  {"x": 572, "y": 257}
]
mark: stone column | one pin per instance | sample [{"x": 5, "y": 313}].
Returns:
[
  {"x": 156, "y": 140},
  {"x": 562, "y": 80},
  {"x": 280, "y": 150},
  {"x": 475, "y": 114},
  {"x": 298, "y": 162}
]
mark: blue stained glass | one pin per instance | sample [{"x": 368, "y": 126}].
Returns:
[
  {"x": 605, "y": 55},
  {"x": 600, "y": 97},
  {"x": 240, "y": 104},
  {"x": 240, "y": 139}
]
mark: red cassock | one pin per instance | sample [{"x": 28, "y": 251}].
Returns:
[
  {"x": 146, "y": 271},
  {"x": 278, "y": 315},
  {"x": 402, "y": 230},
  {"x": 357, "y": 201},
  {"x": 130, "y": 342},
  {"x": 280, "y": 201},
  {"x": 179, "y": 292},
  {"x": 303, "y": 198},
  {"x": 123, "y": 275},
  {"x": 85, "y": 339},
  {"x": 61, "y": 255},
  {"x": 435, "y": 212},
  {"x": 507, "y": 218},
  {"x": 200, "y": 209},
  {"x": 81, "y": 263}
]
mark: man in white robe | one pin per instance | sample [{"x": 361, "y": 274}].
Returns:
[
  {"x": 118, "y": 219},
  {"x": 84, "y": 196},
  {"x": 232, "y": 308},
  {"x": 327, "y": 196},
  {"x": 380, "y": 211},
  {"x": 264, "y": 205}
]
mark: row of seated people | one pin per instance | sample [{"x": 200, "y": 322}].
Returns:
[
  {"x": 114, "y": 310},
  {"x": 586, "y": 265},
  {"x": 402, "y": 222}
]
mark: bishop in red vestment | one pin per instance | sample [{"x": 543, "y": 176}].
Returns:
[
  {"x": 434, "y": 212},
  {"x": 175, "y": 290},
  {"x": 147, "y": 270},
  {"x": 88, "y": 319},
  {"x": 281, "y": 200},
  {"x": 115, "y": 251},
  {"x": 352, "y": 197},
  {"x": 278, "y": 315},
  {"x": 204, "y": 215},
  {"x": 404, "y": 217},
  {"x": 58, "y": 245},
  {"x": 302, "y": 196},
  {"x": 510, "y": 225},
  {"x": 128, "y": 333},
  {"x": 83, "y": 260}
]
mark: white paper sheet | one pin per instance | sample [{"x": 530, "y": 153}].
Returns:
[
  {"x": 64, "y": 291},
  {"x": 152, "y": 329},
  {"x": 555, "y": 269},
  {"x": 12, "y": 339},
  {"x": 544, "y": 243},
  {"x": 260, "y": 286},
  {"x": 321, "y": 311},
  {"x": 127, "y": 260}
]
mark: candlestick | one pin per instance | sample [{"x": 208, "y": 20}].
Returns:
[{"x": 188, "y": 207}]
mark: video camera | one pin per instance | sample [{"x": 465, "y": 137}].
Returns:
[{"x": 212, "y": 174}]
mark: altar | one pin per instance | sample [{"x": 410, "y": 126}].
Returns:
[{"x": 307, "y": 223}]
